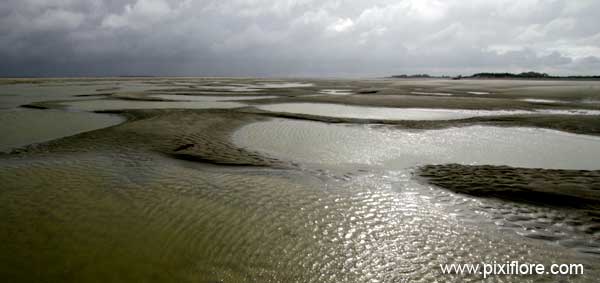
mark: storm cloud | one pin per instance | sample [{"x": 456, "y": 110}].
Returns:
[{"x": 297, "y": 37}]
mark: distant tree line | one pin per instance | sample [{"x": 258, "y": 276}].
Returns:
[
  {"x": 511, "y": 75},
  {"x": 529, "y": 75},
  {"x": 403, "y": 76},
  {"x": 523, "y": 75}
]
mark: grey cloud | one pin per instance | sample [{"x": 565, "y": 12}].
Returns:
[{"x": 297, "y": 37}]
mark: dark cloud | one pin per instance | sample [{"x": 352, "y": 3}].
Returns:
[{"x": 296, "y": 37}]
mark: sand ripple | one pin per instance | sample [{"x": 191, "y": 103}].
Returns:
[{"x": 155, "y": 219}]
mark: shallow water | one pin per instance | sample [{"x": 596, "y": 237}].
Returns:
[
  {"x": 336, "y": 91},
  {"x": 231, "y": 88},
  {"x": 21, "y": 127},
  {"x": 351, "y": 212},
  {"x": 389, "y": 113},
  {"x": 321, "y": 143},
  {"x": 591, "y": 101},
  {"x": 282, "y": 85},
  {"x": 143, "y": 218},
  {"x": 431, "y": 93},
  {"x": 12, "y": 96},
  {"x": 20, "y": 94},
  {"x": 180, "y": 97},
  {"x": 534, "y": 100},
  {"x": 114, "y": 104},
  {"x": 345, "y": 148},
  {"x": 255, "y": 87},
  {"x": 365, "y": 112}
]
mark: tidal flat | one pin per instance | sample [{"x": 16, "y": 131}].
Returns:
[{"x": 296, "y": 180}]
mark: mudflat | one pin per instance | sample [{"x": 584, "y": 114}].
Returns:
[{"x": 236, "y": 190}]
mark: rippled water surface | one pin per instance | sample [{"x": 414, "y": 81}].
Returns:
[
  {"x": 344, "y": 147},
  {"x": 144, "y": 218},
  {"x": 347, "y": 209}
]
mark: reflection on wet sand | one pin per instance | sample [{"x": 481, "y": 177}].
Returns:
[
  {"x": 172, "y": 221},
  {"x": 217, "y": 191}
]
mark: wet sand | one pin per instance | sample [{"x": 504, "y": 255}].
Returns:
[
  {"x": 185, "y": 134},
  {"x": 169, "y": 196}
]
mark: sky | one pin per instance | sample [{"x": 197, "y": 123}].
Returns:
[{"x": 303, "y": 38}]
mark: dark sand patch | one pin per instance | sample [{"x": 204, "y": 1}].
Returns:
[
  {"x": 94, "y": 94},
  {"x": 566, "y": 188},
  {"x": 34, "y": 106},
  {"x": 184, "y": 134}
]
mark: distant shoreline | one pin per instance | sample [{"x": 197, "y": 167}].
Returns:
[
  {"x": 479, "y": 76},
  {"x": 500, "y": 79},
  {"x": 500, "y": 76}
]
